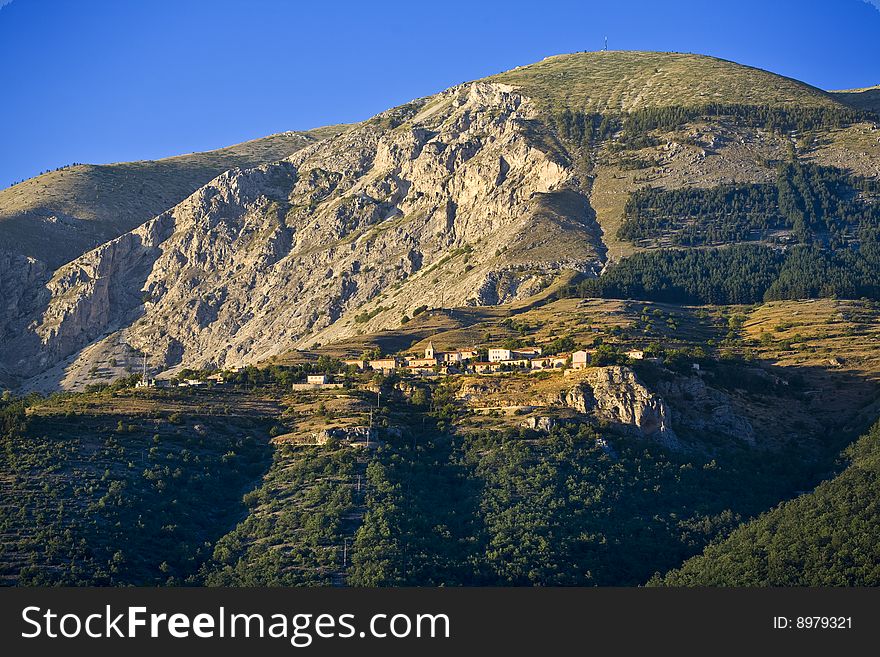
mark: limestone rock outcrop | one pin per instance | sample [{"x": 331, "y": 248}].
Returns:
[
  {"x": 705, "y": 409},
  {"x": 615, "y": 395},
  {"x": 448, "y": 200}
]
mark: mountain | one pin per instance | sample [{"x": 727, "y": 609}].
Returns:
[
  {"x": 483, "y": 194},
  {"x": 693, "y": 245}
]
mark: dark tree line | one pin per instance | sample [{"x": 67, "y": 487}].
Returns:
[
  {"x": 584, "y": 128},
  {"x": 817, "y": 204},
  {"x": 632, "y": 128},
  {"x": 776, "y": 119},
  {"x": 740, "y": 274}
]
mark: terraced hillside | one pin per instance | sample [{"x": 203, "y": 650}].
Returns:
[{"x": 96, "y": 491}]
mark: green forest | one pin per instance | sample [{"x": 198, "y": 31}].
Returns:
[
  {"x": 690, "y": 217},
  {"x": 829, "y": 537},
  {"x": 106, "y": 502},
  {"x": 571, "y": 508},
  {"x": 437, "y": 506},
  {"x": 114, "y": 500},
  {"x": 821, "y": 205},
  {"x": 739, "y": 274}
]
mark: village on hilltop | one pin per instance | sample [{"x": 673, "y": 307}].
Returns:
[
  {"x": 494, "y": 360},
  {"x": 465, "y": 361},
  {"x": 468, "y": 361}
]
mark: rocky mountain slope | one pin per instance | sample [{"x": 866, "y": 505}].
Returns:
[
  {"x": 59, "y": 215},
  {"x": 443, "y": 200},
  {"x": 53, "y": 218},
  {"x": 480, "y": 195}
]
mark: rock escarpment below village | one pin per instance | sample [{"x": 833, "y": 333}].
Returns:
[
  {"x": 449, "y": 200},
  {"x": 611, "y": 395},
  {"x": 616, "y": 396}
]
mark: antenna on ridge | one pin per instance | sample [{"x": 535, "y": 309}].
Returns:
[{"x": 605, "y": 49}]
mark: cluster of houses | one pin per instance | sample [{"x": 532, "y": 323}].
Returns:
[
  {"x": 433, "y": 361},
  {"x": 466, "y": 360},
  {"x": 459, "y": 361},
  {"x": 149, "y": 382}
]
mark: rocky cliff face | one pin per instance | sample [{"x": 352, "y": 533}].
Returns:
[
  {"x": 448, "y": 200},
  {"x": 20, "y": 278},
  {"x": 611, "y": 395},
  {"x": 705, "y": 409},
  {"x": 615, "y": 395},
  {"x": 54, "y": 218}
]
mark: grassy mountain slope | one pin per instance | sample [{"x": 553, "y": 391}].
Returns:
[
  {"x": 865, "y": 99},
  {"x": 623, "y": 81},
  {"x": 830, "y": 537},
  {"x": 57, "y": 216}
]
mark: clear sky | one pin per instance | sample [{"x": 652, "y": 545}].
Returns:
[{"x": 113, "y": 80}]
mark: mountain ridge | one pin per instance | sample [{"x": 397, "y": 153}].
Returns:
[
  {"x": 867, "y": 98},
  {"x": 87, "y": 204},
  {"x": 627, "y": 80}
]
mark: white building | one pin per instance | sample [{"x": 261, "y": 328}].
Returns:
[
  {"x": 579, "y": 360},
  {"x": 499, "y": 355}
]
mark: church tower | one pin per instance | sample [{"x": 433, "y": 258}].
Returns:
[{"x": 429, "y": 352}]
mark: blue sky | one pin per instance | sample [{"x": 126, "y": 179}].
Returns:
[{"x": 104, "y": 81}]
